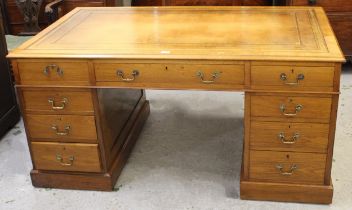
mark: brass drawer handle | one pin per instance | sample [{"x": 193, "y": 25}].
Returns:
[
  {"x": 61, "y": 133},
  {"x": 298, "y": 108},
  {"x": 299, "y": 77},
  {"x": 134, "y": 74},
  {"x": 291, "y": 140},
  {"x": 57, "y": 107},
  {"x": 286, "y": 173},
  {"x": 62, "y": 162},
  {"x": 55, "y": 67},
  {"x": 214, "y": 76}
]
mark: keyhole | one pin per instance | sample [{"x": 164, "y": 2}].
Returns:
[
  {"x": 289, "y": 126},
  {"x": 288, "y": 156},
  {"x": 292, "y": 71},
  {"x": 166, "y": 68}
]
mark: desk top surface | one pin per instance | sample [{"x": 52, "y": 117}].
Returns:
[{"x": 226, "y": 33}]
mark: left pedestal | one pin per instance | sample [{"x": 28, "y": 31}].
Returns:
[{"x": 80, "y": 138}]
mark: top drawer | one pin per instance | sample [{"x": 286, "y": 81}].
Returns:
[
  {"x": 313, "y": 78},
  {"x": 329, "y": 5},
  {"x": 53, "y": 73}
]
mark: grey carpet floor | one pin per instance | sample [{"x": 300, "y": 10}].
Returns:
[{"x": 187, "y": 157}]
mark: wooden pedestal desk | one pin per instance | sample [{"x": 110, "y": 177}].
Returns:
[{"x": 81, "y": 88}]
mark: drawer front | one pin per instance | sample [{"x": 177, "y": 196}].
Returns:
[
  {"x": 292, "y": 78},
  {"x": 292, "y": 108},
  {"x": 171, "y": 76},
  {"x": 65, "y": 128},
  {"x": 53, "y": 73},
  {"x": 66, "y": 157},
  {"x": 57, "y": 101},
  {"x": 290, "y": 167},
  {"x": 329, "y": 5},
  {"x": 280, "y": 136}
]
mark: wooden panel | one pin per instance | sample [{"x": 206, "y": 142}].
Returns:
[
  {"x": 317, "y": 108},
  {"x": 172, "y": 75},
  {"x": 118, "y": 108},
  {"x": 310, "y": 167},
  {"x": 297, "y": 34},
  {"x": 82, "y": 128},
  {"x": 271, "y": 78},
  {"x": 73, "y": 73},
  {"x": 85, "y": 157},
  {"x": 312, "y": 137},
  {"x": 329, "y": 5},
  {"x": 286, "y": 192},
  {"x": 342, "y": 25},
  {"x": 74, "y": 101}
]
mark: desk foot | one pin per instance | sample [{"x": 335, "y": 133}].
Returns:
[
  {"x": 94, "y": 181},
  {"x": 286, "y": 192}
]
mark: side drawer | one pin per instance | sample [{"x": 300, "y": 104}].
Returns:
[
  {"x": 64, "y": 128},
  {"x": 288, "y": 167},
  {"x": 282, "y": 136},
  {"x": 57, "y": 101},
  {"x": 53, "y": 73},
  {"x": 66, "y": 157},
  {"x": 311, "y": 78},
  {"x": 190, "y": 76},
  {"x": 291, "y": 108}
]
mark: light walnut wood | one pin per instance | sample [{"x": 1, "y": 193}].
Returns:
[
  {"x": 177, "y": 76},
  {"x": 86, "y": 156},
  {"x": 313, "y": 137},
  {"x": 95, "y": 181},
  {"x": 82, "y": 128},
  {"x": 168, "y": 46},
  {"x": 79, "y": 101},
  {"x": 32, "y": 73},
  {"x": 316, "y": 108},
  {"x": 310, "y": 167},
  {"x": 329, "y": 159},
  {"x": 286, "y": 192},
  {"x": 315, "y": 78},
  {"x": 250, "y": 33}
]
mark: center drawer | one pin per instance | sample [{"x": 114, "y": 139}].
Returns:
[
  {"x": 66, "y": 157},
  {"x": 64, "y": 128},
  {"x": 197, "y": 76}
]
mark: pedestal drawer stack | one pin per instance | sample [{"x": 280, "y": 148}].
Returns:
[
  {"x": 288, "y": 129},
  {"x": 60, "y": 122},
  {"x": 72, "y": 145}
]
